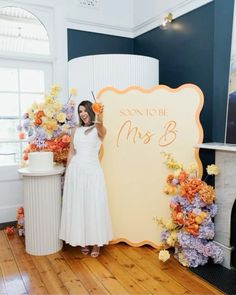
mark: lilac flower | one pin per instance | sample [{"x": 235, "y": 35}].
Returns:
[
  {"x": 212, "y": 210},
  {"x": 39, "y": 142},
  {"x": 26, "y": 124},
  {"x": 213, "y": 251},
  {"x": 179, "y": 200},
  {"x": 71, "y": 123},
  {"x": 197, "y": 211},
  {"x": 184, "y": 239},
  {"x": 207, "y": 230},
  {"x": 25, "y": 116},
  {"x": 174, "y": 181},
  {"x": 19, "y": 127},
  {"x": 57, "y": 132},
  {"x": 39, "y": 137},
  {"x": 218, "y": 255},
  {"x": 164, "y": 235},
  {"x": 197, "y": 203},
  {"x": 194, "y": 258}
]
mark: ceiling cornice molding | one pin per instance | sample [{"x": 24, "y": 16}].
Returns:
[
  {"x": 182, "y": 8},
  {"x": 99, "y": 28}
]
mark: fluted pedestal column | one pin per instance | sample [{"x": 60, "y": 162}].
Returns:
[{"x": 42, "y": 209}]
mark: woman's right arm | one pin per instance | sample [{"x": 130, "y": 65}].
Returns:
[{"x": 71, "y": 149}]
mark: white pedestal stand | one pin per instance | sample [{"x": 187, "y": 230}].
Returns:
[{"x": 42, "y": 209}]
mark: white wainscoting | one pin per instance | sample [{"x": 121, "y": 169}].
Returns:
[{"x": 11, "y": 193}]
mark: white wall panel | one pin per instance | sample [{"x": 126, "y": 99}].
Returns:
[{"x": 94, "y": 72}]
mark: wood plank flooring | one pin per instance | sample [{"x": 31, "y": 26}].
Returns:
[{"x": 120, "y": 269}]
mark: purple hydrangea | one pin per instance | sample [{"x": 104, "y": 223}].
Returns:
[
  {"x": 164, "y": 235},
  {"x": 194, "y": 258},
  {"x": 212, "y": 210},
  {"x": 207, "y": 230}
]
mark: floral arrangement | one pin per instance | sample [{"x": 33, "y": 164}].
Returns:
[
  {"x": 190, "y": 230},
  {"x": 20, "y": 221},
  {"x": 48, "y": 125}
]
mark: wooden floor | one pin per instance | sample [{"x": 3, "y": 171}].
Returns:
[{"x": 120, "y": 269}]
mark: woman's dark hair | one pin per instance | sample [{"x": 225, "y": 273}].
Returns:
[{"x": 88, "y": 107}]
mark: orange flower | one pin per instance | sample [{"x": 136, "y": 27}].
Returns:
[
  {"x": 66, "y": 138},
  {"x": 190, "y": 188},
  {"x": 177, "y": 215},
  {"x": 169, "y": 179},
  {"x": 25, "y": 156},
  {"x": 21, "y": 135},
  {"x": 207, "y": 194},
  {"x": 39, "y": 114},
  {"x": 37, "y": 122},
  {"x": 182, "y": 176},
  {"x": 192, "y": 229}
]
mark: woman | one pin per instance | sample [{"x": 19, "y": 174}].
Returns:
[{"x": 85, "y": 217}]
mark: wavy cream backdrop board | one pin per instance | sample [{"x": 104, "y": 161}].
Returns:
[{"x": 141, "y": 124}]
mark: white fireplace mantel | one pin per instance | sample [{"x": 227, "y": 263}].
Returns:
[
  {"x": 218, "y": 146},
  {"x": 225, "y": 188}
]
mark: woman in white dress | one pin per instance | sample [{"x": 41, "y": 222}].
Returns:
[{"x": 85, "y": 219}]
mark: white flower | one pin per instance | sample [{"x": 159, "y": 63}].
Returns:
[
  {"x": 213, "y": 170},
  {"x": 164, "y": 255}
]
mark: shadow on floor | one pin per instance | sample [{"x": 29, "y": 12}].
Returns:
[{"x": 219, "y": 276}]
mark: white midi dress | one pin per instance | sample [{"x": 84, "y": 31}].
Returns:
[{"x": 85, "y": 218}]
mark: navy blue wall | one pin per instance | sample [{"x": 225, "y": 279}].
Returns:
[
  {"x": 185, "y": 53},
  {"x": 82, "y": 43},
  {"x": 196, "y": 49},
  {"x": 222, "y": 48}
]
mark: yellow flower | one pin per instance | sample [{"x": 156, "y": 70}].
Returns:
[
  {"x": 48, "y": 112},
  {"x": 170, "y": 189},
  {"x": 48, "y": 99},
  {"x": 35, "y": 106},
  {"x": 164, "y": 255},
  {"x": 65, "y": 127},
  {"x": 49, "y": 125},
  {"x": 57, "y": 106},
  {"x": 193, "y": 168},
  {"x": 174, "y": 235},
  {"x": 73, "y": 91},
  {"x": 61, "y": 117},
  {"x": 213, "y": 170},
  {"x": 182, "y": 259},
  {"x": 177, "y": 172},
  {"x": 170, "y": 241},
  {"x": 54, "y": 90},
  {"x": 169, "y": 224}
]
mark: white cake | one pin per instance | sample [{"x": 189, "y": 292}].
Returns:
[{"x": 40, "y": 161}]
